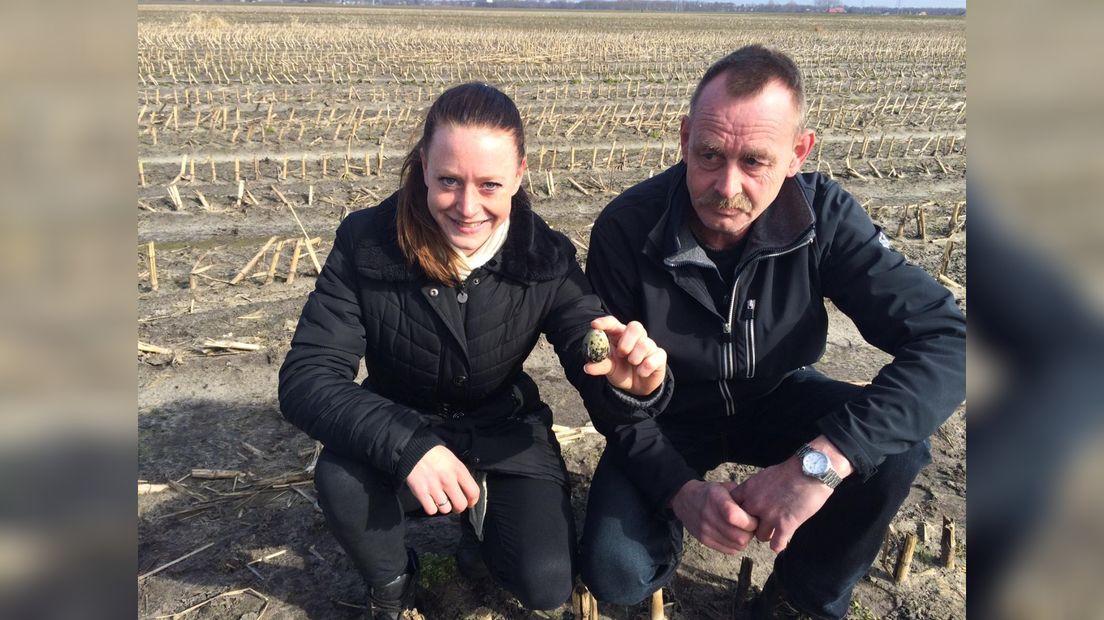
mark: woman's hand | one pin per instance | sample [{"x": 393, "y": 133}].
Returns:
[
  {"x": 635, "y": 364},
  {"x": 442, "y": 483}
]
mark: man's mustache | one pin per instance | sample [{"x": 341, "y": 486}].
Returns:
[{"x": 713, "y": 200}]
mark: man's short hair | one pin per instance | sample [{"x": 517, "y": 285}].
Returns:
[{"x": 749, "y": 69}]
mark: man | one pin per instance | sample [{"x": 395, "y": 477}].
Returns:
[{"x": 727, "y": 258}]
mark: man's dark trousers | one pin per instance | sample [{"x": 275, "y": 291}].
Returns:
[{"x": 630, "y": 549}]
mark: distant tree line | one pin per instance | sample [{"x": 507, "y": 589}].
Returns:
[{"x": 672, "y": 6}]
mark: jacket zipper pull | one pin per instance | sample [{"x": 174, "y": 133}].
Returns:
[
  {"x": 749, "y": 310},
  {"x": 726, "y": 331},
  {"x": 462, "y": 296}
]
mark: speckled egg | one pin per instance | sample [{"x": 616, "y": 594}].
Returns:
[{"x": 596, "y": 345}]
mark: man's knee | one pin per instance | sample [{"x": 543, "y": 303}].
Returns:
[
  {"x": 617, "y": 577},
  {"x": 615, "y": 561},
  {"x": 627, "y": 551}
]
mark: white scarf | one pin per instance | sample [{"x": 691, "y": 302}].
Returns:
[{"x": 490, "y": 247}]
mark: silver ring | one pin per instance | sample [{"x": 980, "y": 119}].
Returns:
[{"x": 443, "y": 504}]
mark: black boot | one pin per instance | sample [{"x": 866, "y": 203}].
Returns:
[
  {"x": 469, "y": 555},
  {"x": 772, "y": 604},
  {"x": 389, "y": 601}
]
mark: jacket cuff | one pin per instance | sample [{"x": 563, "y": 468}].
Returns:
[
  {"x": 421, "y": 442},
  {"x": 630, "y": 407},
  {"x": 860, "y": 460}
]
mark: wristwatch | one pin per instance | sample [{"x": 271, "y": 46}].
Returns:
[{"x": 815, "y": 464}]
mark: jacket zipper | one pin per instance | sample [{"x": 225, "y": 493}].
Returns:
[
  {"x": 729, "y": 371},
  {"x": 749, "y": 335}
]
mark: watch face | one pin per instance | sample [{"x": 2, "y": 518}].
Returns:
[{"x": 814, "y": 463}]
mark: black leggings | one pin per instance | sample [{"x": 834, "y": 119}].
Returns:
[{"x": 528, "y": 536}]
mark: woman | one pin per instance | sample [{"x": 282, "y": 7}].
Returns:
[{"x": 444, "y": 289}]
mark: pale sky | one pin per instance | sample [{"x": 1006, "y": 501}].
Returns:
[{"x": 919, "y": 4}]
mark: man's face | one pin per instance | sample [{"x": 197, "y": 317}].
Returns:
[{"x": 738, "y": 152}]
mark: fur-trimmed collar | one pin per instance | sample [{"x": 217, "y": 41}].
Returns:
[{"x": 533, "y": 252}]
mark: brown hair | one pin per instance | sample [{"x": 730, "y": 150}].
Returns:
[
  {"x": 467, "y": 105},
  {"x": 749, "y": 69}
]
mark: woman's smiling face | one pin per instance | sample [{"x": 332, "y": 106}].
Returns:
[{"x": 471, "y": 174}]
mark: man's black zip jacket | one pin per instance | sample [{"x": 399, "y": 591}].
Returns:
[{"x": 814, "y": 242}]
